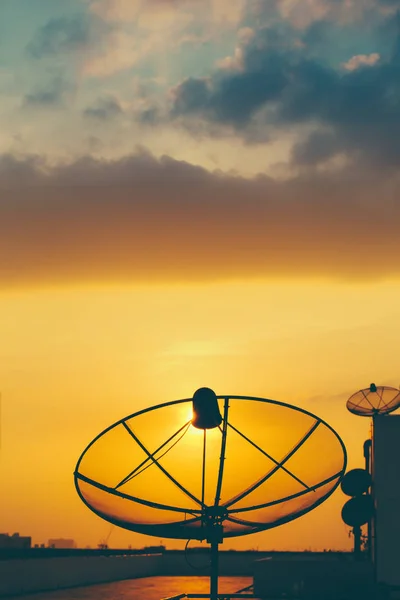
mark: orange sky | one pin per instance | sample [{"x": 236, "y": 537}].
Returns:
[
  {"x": 137, "y": 219},
  {"x": 192, "y": 193},
  {"x": 74, "y": 360}
]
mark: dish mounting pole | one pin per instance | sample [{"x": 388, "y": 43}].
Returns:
[
  {"x": 215, "y": 532},
  {"x": 215, "y": 515},
  {"x": 214, "y": 571}
]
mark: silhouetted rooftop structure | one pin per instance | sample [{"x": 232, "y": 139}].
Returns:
[{"x": 14, "y": 541}]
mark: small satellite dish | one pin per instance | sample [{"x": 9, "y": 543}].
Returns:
[
  {"x": 358, "y": 511},
  {"x": 356, "y": 482},
  {"x": 375, "y": 400}
]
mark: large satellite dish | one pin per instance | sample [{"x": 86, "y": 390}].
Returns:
[
  {"x": 210, "y": 467},
  {"x": 375, "y": 400}
]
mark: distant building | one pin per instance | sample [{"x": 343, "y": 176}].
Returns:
[
  {"x": 154, "y": 549},
  {"x": 14, "y": 541},
  {"x": 61, "y": 543}
]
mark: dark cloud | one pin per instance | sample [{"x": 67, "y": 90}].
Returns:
[
  {"x": 142, "y": 219},
  {"x": 26, "y": 172},
  {"x": 149, "y": 116},
  {"x": 192, "y": 95},
  {"x": 234, "y": 97},
  {"x": 363, "y": 110},
  {"x": 47, "y": 97},
  {"x": 59, "y": 35},
  {"x": 319, "y": 147},
  {"x": 104, "y": 109},
  {"x": 50, "y": 95},
  {"x": 289, "y": 86}
]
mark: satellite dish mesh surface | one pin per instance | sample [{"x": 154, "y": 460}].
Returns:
[
  {"x": 374, "y": 400},
  {"x": 261, "y": 464}
]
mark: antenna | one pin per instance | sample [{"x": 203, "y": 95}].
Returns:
[
  {"x": 210, "y": 467},
  {"x": 359, "y": 510}
]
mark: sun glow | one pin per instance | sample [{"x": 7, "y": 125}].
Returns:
[
  {"x": 189, "y": 417},
  {"x": 195, "y": 431}
]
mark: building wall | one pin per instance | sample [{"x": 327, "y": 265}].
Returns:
[
  {"x": 306, "y": 577},
  {"x": 19, "y": 576},
  {"x": 386, "y": 490},
  {"x": 192, "y": 563},
  {"x": 38, "y": 575}
]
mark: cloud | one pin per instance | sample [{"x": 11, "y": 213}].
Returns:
[
  {"x": 120, "y": 52},
  {"x": 59, "y": 35},
  {"x": 361, "y": 60},
  {"x": 191, "y": 96},
  {"x": 318, "y": 147},
  {"x": 235, "y": 62},
  {"x": 128, "y": 10},
  {"x": 147, "y": 31},
  {"x": 153, "y": 12},
  {"x": 142, "y": 219},
  {"x": 104, "y": 109},
  {"x": 394, "y": 3},
  {"x": 301, "y": 14},
  {"x": 47, "y": 96},
  {"x": 137, "y": 30},
  {"x": 234, "y": 97},
  {"x": 280, "y": 84}
]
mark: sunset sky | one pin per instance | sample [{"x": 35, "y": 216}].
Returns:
[{"x": 192, "y": 193}]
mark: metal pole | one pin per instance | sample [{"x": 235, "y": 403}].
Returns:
[
  {"x": 214, "y": 571},
  {"x": 374, "y": 537},
  {"x": 357, "y": 542},
  {"x": 203, "y": 471},
  {"x": 367, "y": 456}
]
